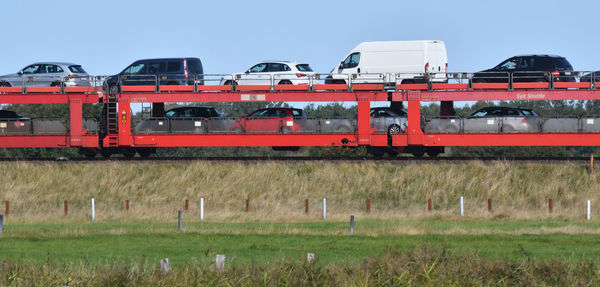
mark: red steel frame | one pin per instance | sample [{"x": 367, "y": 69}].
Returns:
[
  {"x": 364, "y": 135},
  {"x": 75, "y": 100}
]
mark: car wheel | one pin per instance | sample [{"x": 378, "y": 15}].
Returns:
[
  {"x": 113, "y": 89},
  {"x": 285, "y": 82},
  {"x": 286, "y": 130},
  {"x": 4, "y": 84},
  {"x": 394, "y": 129},
  {"x": 229, "y": 83},
  {"x": 237, "y": 130},
  {"x": 55, "y": 84}
]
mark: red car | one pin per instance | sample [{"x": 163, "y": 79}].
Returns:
[{"x": 270, "y": 120}]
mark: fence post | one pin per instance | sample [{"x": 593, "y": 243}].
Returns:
[
  {"x": 588, "y": 209},
  {"x": 93, "y": 210},
  {"x": 187, "y": 202},
  {"x": 462, "y": 207},
  {"x": 351, "y": 224},
  {"x": 179, "y": 220},
  {"x": 368, "y": 205},
  {"x": 429, "y": 205},
  {"x": 66, "y": 207},
  {"x": 165, "y": 265},
  {"x": 550, "y": 205},
  {"x": 306, "y": 206},
  {"x": 6, "y": 208},
  {"x": 202, "y": 209},
  {"x": 324, "y": 208},
  {"x": 247, "y": 204},
  {"x": 126, "y": 204},
  {"x": 221, "y": 262},
  {"x": 310, "y": 257},
  {"x": 489, "y": 204}
]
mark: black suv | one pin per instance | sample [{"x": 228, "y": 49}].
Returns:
[
  {"x": 164, "y": 71},
  {"x": 528, "y": 68}
]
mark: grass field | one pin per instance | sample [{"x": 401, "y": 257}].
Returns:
[{"x": 397, "y": 243}]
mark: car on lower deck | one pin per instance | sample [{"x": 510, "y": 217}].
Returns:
[
  {"x": 270, "y": 120},
  {"x": 47, "y": 74},
  {"x": 190, "y": 119}
]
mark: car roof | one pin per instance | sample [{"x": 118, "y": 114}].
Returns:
[
  {"x": 283, "y": 62},
  {"x": 165, "y": 59},
  {"x": 56, "y": 63},
  {"x": 191, "y": 107},
  {"x": 539, "y": 55}
]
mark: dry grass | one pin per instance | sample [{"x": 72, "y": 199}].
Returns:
[{"x": 277, "y": 190}]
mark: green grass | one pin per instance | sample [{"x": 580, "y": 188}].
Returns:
[{"x": 99, "y": 243}]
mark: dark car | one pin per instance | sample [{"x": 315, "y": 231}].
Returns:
[
  {"x": 184, "y": 120},
  {"x": 591, "y": 76},
  {"x": 164, "y": 71},
  {"x": 528, "y": 68},
  {"x": 5, "y": 114}
]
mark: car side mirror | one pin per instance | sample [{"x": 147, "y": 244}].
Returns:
[
  {"x": 20, "y": 72},
  {"x": 341, "y": 65},
  {"x": 247, "y": 72}
]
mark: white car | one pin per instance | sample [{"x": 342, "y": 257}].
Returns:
[
  {"x": 272, "y": 73},
  {"x": 46, "y": 74}
]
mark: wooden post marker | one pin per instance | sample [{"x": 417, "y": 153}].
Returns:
[
  {"x": 489, "y": 204},
  {"x": 368, "y": 205},
  {"x": 550, "y": 205},
  {"x": 310, "y": 257},
  {"x": 6, "y": 208},
  {"x": 429, "y": 205},
  {"x": 187, "y": 204},
  {"x": 126, "y": 204},
  {"x": 221, "y": 262},
  {"x": 592, "y": 164},
  {"x": 306, "y": 206},
  {"x": 247, "y": 204},
  {"x": 66, "y": 207},
  {"x": 165, "y": 265}
]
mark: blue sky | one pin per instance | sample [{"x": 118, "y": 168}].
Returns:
[{"x": 230, "y": 36}]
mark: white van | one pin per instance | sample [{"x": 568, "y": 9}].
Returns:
[{"x": 393, "y": 62}]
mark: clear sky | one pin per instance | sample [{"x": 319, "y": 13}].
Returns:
[{"x": 230, "y": 36}]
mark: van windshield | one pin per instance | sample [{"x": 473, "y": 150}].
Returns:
[{"x": 351, "y": 61}]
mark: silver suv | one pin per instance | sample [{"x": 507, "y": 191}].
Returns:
[{"x": 47, "y": 74}]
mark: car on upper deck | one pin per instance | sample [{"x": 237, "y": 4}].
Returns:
[
  {"x": 528, "y": 68},
  {"x": 47, "y": 74},
  {"x": 272, "y": 72},
  {"x": 160, "y": 71}
]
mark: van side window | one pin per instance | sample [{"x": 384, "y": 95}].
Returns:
[
  {"x": 351, "y": 61},
  {"x": 136, "y": 69},
  {"x": 173, "y": 67},
  {"x": 155, "y": 68}
]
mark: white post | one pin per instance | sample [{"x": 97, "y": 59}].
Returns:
[
  {"x": 324, "y": 208},
  {"x": 310, "y": 257},
  {"x": 220, "y": 262},
  {"x": 462, "y": 207},
  {"x": 202, "y": 208},
  {"x": 93, "y": 210},
  {"x": 588, "y": 209}
]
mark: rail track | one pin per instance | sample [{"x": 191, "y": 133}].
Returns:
[{"x": 291, "y": 159}]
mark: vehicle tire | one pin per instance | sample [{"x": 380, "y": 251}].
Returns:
[
  {"x": 4, "y": 84},
  {"x": 113, "y": 89},
  {"x": 55, "y": 84},
  {"x": 286, "y": 130},
  {"x": 228, "y": 83},
  {"x": 394, "y": 129},
  {"x": 341, "y": 82},
  {"x": 237, "y": 130},
  {"x": 408, "y": 81},
  {"x": 285, "y": 82}
]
